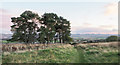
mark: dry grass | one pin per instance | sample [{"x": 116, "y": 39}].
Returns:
[
  {"x": 7, "y": 48},
  {"x": 103, "y": 44},
  {"x": 66, "y": 53}
]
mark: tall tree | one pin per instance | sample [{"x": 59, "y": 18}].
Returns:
[
  {"x": 24, "y": 27},
  {"x": 63, "y": 30},
  {"x": 48, "y": 21},
  {"x": 29, "y": 28}
]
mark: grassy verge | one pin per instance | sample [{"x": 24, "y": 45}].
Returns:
[{"x": 53, "y": 55}]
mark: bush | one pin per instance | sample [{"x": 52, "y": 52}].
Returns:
[{"x": 112, "y": 38}]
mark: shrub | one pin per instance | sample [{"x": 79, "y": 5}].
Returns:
[{"x": 112, "y": 38}]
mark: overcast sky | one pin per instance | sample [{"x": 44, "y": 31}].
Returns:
[{"x": 86, "y": 17}]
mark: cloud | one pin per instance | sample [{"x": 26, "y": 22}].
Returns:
[
  {"x": 5, "y": 21},
  {"x": 92, "y": 30},
  {"x": 86, "y": 24},
  {"x": 108, "y": 26},
  {"x": 111, "y": 9},
  {"x": 3, "y": 10},
  {"x": 88, "y": 28}
]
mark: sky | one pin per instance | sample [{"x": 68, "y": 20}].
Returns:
[
  {"x": 86, "y": 17},
  {"x": 59, "y": 0}
]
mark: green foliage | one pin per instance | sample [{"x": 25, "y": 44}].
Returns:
[
  {"x": 24, "y": 27},
  {"x": 112, "y": 38},
  {"x": 58, "y": 28}
]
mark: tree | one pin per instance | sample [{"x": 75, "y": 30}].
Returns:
[
  {"x": 57, "y": 29},
  {"x": 24, "y": 27},
  {"x": 48, "y": 21},
  {"x": 30, "y": 28},
  {"x": 112, "y": 38},
  {"x": 63, "y": 30},
  {"x": 42, "y": 35}
]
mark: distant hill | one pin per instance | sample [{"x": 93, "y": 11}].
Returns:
[
  {"x": 5, "y": 36},
  {"x": 75, "y": 36},
  {"x": 91, "y": 36}
]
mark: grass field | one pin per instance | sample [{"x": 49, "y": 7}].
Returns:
[
  {"x": 79, "y": 54},
  {"x": 98, "y": 54},
  {"x": 4, "y": 41},
  {"x": 56, "y": 55}
]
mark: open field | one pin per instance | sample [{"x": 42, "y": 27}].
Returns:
[{"x": 65, "y": 53}]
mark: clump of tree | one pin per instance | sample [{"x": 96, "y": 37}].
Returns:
[
  {"x": 24, "y": 28},
  {"x": 112, "y": 38},
  {"x": 49, "y": 28}
]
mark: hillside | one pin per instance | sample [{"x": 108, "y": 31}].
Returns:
[
  {"x": 5, "y": 36},
  {"x": 83, "y": 53},
  {"x": 91, "y": 36},
  {"x": 78, "y": 36}
]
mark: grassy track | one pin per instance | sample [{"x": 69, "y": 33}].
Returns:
[{"x": 98, "y": 54}]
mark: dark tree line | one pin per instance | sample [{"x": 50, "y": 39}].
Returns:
[{"x": 49, "y": 28}]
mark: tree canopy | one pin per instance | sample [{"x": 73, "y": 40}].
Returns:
[{"x": 49, "y": 28}]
